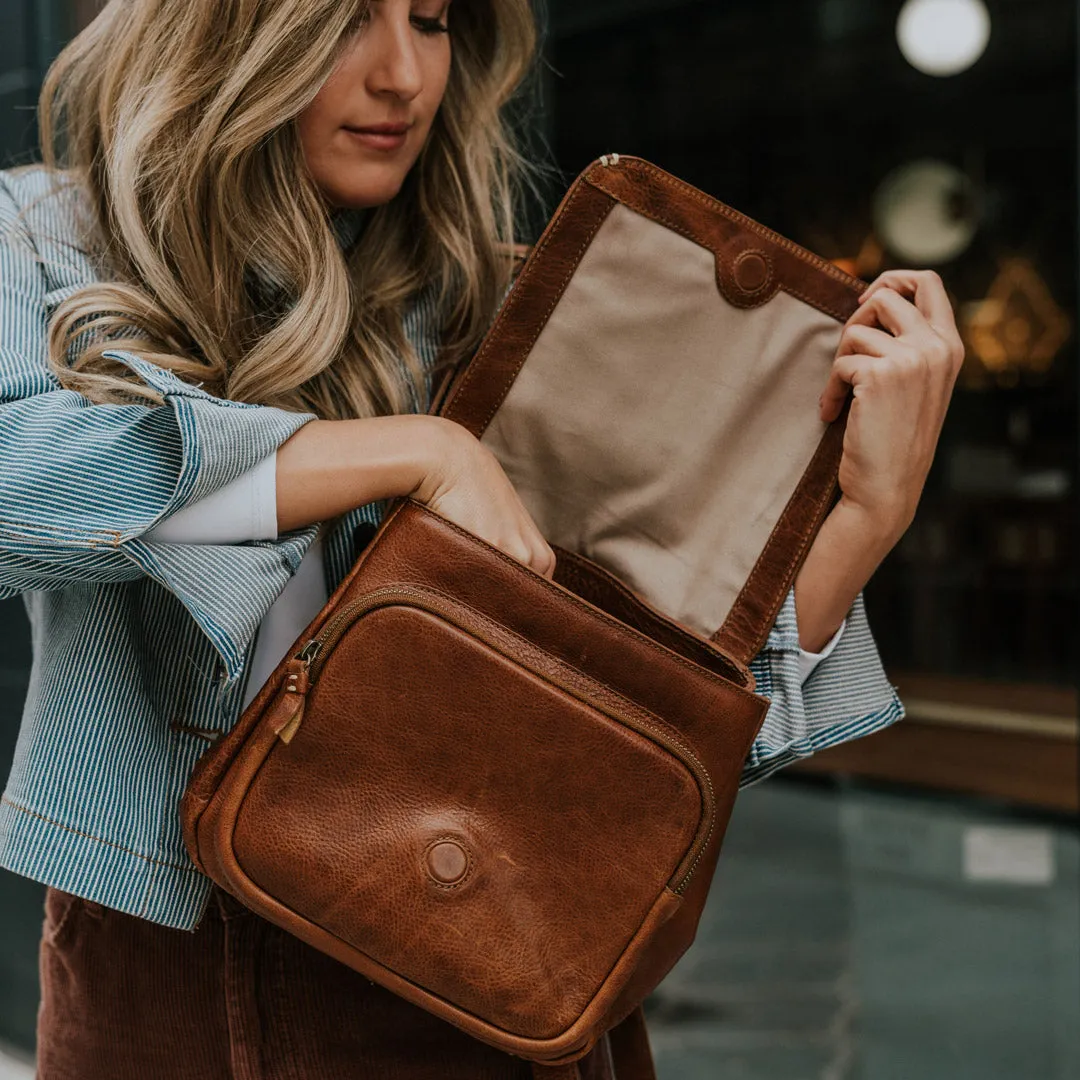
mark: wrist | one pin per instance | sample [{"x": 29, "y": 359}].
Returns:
[
  {"x": 847, "y": 550},
  {"x": 875, "y": 531},
  {"x": 438, "y": 447}
]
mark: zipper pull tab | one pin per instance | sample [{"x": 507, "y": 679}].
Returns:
[{"x": 288, "y": 707}]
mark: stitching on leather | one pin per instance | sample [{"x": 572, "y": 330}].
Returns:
[
  {"x": 581, "y": 683},
  {"x": 581, "y": 686},
  {"x": 754, "y": 638},
  {"x": 674, "y": 226},
  {"x": 754, "y": 297},
  {"x": 527, "y": 350},
  {"x": 733, "y": 215},
  {"x": 503, "y": 315},
  {"x": 739, "y": 219},
  {"x": 96, "y": 839},
  {"x": 592, "y": 611}
]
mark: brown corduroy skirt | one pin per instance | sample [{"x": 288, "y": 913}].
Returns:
[{"x": 238, "y": 999}]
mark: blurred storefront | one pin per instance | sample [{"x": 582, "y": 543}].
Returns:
[{"x": 904, "y": 906}]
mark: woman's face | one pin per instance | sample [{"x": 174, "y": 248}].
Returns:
[{"x": 367, "y": 125}]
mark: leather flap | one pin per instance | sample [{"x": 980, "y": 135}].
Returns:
[{"x": 651, "y": 388}]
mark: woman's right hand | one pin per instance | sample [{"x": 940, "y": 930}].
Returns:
[
  {"x": 466, "y": 484},
  {"x": 330, "y": 466}
]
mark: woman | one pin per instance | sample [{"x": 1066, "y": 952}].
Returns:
[{"x": 262, "y": 227}]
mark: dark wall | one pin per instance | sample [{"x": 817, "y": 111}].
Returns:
[{"x": 19, "y": 74}]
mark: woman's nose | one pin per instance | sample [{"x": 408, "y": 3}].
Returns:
[{"x": 396, "y": 69}]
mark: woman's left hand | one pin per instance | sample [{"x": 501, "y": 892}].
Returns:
[{"x": 899, "y": 354}]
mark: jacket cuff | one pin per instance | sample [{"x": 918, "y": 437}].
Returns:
[
  {"x": 809, "y": 661},
  {"x": 849, "y": 695},
  {"x": 227, "y": 589}
]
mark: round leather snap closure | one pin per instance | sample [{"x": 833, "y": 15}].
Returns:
[
  {"x": 447, "y": 862},
  {"x": 751, "y": 271}
]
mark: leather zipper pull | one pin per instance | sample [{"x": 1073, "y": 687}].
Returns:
[{"x": 288, "y": 708}]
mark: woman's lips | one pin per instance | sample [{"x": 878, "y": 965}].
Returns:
[{"x": 383, "y": 137}]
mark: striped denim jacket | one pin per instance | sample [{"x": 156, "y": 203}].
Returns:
[{"x": 141, "y": 647}]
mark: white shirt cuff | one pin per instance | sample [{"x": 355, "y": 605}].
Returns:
[
  {"x": 244, "y": 509},
  {"x": 808, "y": 661}
]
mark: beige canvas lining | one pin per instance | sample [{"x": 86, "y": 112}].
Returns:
[{"x": 646, "y": 395}]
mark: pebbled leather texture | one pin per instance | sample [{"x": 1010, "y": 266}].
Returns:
[{"x": 499, "y": 796}]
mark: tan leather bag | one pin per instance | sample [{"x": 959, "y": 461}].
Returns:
[{"x": 503, "y": 797}]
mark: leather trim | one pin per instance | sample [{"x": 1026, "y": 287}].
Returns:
[
  {"x": 479, "y": 391},
  {"x": 732, "y": 237},
  {"x": 753, "y": 263},
  {"x": 605, "y": 591}
]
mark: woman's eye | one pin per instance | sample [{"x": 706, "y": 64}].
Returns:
[{"x": 429, "y": 25}]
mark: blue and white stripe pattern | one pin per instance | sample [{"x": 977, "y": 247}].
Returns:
[{"x": 141, "y": 647}]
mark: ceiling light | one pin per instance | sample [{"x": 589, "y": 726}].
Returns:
[
  {"x": 926, "y": 212},
  {"x": 943, "y": 37}
]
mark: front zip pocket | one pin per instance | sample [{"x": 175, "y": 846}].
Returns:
[
  {"x": 440, "y": 771},
  {"x": 303, "y": 670}
]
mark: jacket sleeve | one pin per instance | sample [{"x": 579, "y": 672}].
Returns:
[
  {"x": 845, "y": 696},
  {"x": 82, "y": 484}
]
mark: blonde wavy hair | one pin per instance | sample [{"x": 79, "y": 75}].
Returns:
[{"x": 177, "y": 118}]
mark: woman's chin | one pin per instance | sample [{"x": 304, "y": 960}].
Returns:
[{"x": 373, "y": 188}]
